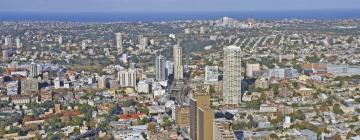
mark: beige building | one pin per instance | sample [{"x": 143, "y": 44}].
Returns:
[
  {"x": 119, "y": 42},
  {"x": 196, "y": 102},
  {"x": 205, "y": 123},
  {"x": 178, "y": 64},
  {"x": 182, "y": 116},
  {"x": 127, "y": 78},
  {"x": 232, "y": 75},
  {"x": 222, "y": 130},
  {"x": 250, "y": 68}
]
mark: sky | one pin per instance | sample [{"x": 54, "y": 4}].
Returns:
[{"x": 171, "y": 5}]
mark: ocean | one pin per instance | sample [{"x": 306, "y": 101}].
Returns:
[{"x": 171, "y": 16}]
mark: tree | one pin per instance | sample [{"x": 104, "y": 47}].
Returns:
[
  {"x": 337, "y": 109},
  {"x": 274, "y": 136}
]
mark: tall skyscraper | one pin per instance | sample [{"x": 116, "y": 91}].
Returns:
[
  {"x": 232, "y": 75},
  {"x": 119, "y": 42},
  {"x": 33, "y": 70},
  {"x": 18, "y": 43},
  {"x": 197, "y": 102},
  {"x": 169, "y": 65},
  {"x": 127, "y": 78},
  {"x": 178, "y": 65},
  {"x": 205, "y": 123},
  {"x": 160, "y": 68},
  {"x": 29, "y": 84},
  {"x": 8, "y": 41}
]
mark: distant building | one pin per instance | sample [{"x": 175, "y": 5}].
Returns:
[
  {"x": 169, "y": 65},
  {"x": 12, "y": 88},
  {"x": 178, "y": 64},
  {"x": 232, "y": 75},
  {"x": 57, "y": 83},
  {"x": 60, "y": 40},
  {"x": 33, "y": 70},
  {"x": 46, "y": 95},
  {"x": 343, "y": 70},
  {"x": 211, "y": 74},
  {"x": 119, "y": 42},
  {"x": 143, "y": 87},
  {"x": 222, "y": 130},
  {"x": 127, "y": 78},
  {"x": 18, "y": 43},
  {"x": 262, "y": 83},
  {"x": 250, "y": 68},
  {"x": 29, "y": 84},
  {"x": 160, "y": 68}
]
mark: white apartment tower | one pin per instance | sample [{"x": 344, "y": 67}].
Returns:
[
  {"x": 127, "y": 78},
  {"x": 232, "y": 75},
  {"x": 119, "y": 42},
  {"x": 178, "y": 65},
  {"x": 160, "y": 68}
]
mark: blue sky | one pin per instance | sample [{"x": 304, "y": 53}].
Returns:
[{"x": 171, "y": 5}]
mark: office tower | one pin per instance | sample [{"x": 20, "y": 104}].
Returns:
[
  {"x": 211, "y": 74},
  {"x": 169, "y": 65},
  {"x": 196, "y": 102},
  {"x": 119, "y": 42},
  {"x": 250, "y": 68},
  {"x": 232, "y": 75},
  {"x": 178, "y": 66},
  {"x": 160, "y": 68},
  {"x": 29, "y": 84},
  {"x": 202, "y": 30},
  {"x": 127, "y": 78},
  {"x": 182, "y": 116},
  {"x": 5, "y": 55},
  {"x": 18, "y": 43},
  {"x": 205, "y": 123},
  {"x": 33, "y": 70},
  {"x": 60, "y": 39},
  {"x": 8, "y": 41}
]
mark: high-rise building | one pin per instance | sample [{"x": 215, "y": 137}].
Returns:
[
  {"x": 18, "y": 43},
  {"x": 232, "y": 75},
  {"x": 60, "y": 39},
  {"x": 33, "y": 70},
  {"x": 178, "y": 65},
  {"x": 102, "y": 82},
  {"x": 29, "y": 84},
  {"x": 205, "y": 123},
  {"x": 160, "y": 68},
  {"x": 196, "y": 102},
  {"x": 169, "y": 65},
  {"x": 127, "y": 78},
  {"x": 8, "y": 41},
  {"x": 5, "y": 55},
  {"x": 250, "y": 68},
  {"x": 119, "y": 42},
  {"x": 211, "y": 74},
  {"x": 83, "y": 45},
  {"x": 182, "y": 116}
]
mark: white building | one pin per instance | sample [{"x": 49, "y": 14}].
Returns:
[
  {"x": 160, "y": 68},
  {"x": 57, "y": 83},
  {"x": 250, "y": 68},
  {"x": 178, "y": 65},
  {"x": 211, "y": 74},
  {"x": 119, "y": 42},
  {"x": 143, "y": 86},
  {"x": 169, "y": 65},
  {"x": 232, "y": 75},
  {"x": 127, "y": 78}
]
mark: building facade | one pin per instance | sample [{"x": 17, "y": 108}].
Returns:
[{"x": 232, "y": 75}]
